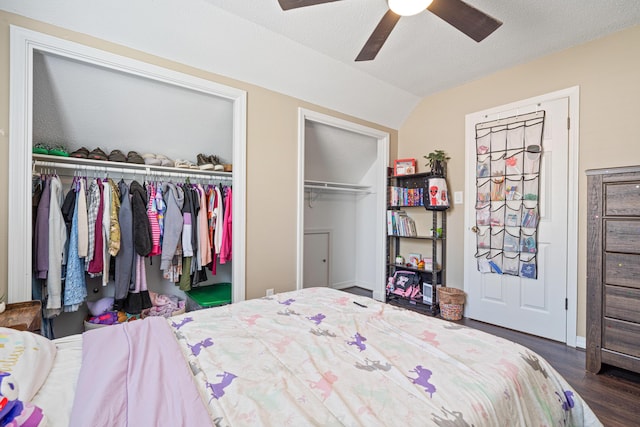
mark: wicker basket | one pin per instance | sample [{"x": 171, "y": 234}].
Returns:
[{"x": 451, "y": 303}]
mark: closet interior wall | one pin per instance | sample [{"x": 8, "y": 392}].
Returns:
[{"x": 340, "y": 178}]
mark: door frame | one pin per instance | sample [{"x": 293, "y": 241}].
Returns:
[
  {"x": 382, "y": 142},
  {"x": 23, "y": 44},
  {"x": 573, "y": 95}
]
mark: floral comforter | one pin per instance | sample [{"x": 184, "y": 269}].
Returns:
[{"x": 323, "y": 357}]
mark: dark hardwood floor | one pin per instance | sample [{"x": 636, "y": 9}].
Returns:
[{"x": 613, "y": 394}]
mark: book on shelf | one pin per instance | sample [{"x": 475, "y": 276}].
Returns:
[
  {"x": 400, "y": 196},
  {"x": 400, "y": 224}
]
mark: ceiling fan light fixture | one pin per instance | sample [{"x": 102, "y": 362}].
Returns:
[{"x": 408, "y": 7}]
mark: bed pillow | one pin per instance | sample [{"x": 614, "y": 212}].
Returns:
[{"x": 28, "y": 358}]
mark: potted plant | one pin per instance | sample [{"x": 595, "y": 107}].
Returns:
[{"x": 437, "y": 161}]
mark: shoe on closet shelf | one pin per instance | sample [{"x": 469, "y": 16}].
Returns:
[
  {"x": 80, "y": 153},
  {"x": 117, "y": 156},
  {"x": 59, "y": 150},
  {"x": 217, "y": 164},
  {"x": 97, "y": 154},
  {"x": 165, "y": 161},
  {"x": 40, "y": 148},
  {"x": 204, "y": 162},
  {"x": 134, "y": 157},
  {"x": 185, "y": 164},
  {"x": 151, "y": 159}
]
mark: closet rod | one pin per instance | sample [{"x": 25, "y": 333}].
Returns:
[
  {"x": 336, "y": 189},
  {"x": 139, "y": 170}
]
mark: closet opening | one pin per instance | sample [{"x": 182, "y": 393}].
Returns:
[
  {"x": 342, "y": 196},
  {"x": 75, "y": 96}
]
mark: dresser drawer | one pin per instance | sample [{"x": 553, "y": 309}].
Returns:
[
  {"x": 621, "y": 336},
  {"x": 622, "y": 199},
  {"x": 622, "y": 269},
  {"x": 622, "y": 236},
  {"x": 622, "y": 303}
]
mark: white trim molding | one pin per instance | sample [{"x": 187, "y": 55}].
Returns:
[
  {"x": 23, "y": 44},
  {"x": 379, "y": 189}
]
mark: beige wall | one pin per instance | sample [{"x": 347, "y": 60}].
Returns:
[
  {"x": 272, "y": 123},
  {"x": 608, "y": 73}
]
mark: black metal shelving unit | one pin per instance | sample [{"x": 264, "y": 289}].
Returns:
[{"x": 438, "y": 243}]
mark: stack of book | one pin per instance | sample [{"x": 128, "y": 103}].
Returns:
[{"x": 400, "y": 224}]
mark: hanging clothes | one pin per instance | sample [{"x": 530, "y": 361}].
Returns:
[
  {"x": 114, "y": 227},
  {"x": 160, "y": 207},
  {"x": 203, "y": 230},
  {"x": 96, "y": 263},
  {"x": 41, "y": 233},
  {"x": 106, "y": 230},
  {"x": 75, "y": 289},
  {"x": 173, "y": 224},
  {"x": 57, "y": 243},
  {"x": 94, "y": 200},
  {"x": 152, "y": 215},
  {"x": 225, "y": 252},
  {"x": 83, "y": 228},
  {"x": 141, "y": 229},
  {"x": 125, "y": 256}
]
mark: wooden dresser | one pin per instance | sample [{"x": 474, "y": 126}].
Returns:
[{"x": 613, "y": 268}]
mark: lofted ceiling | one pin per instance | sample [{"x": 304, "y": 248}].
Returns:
[
  {"x": 309, "y": 52},
  {"x": 424, "y": 54}
]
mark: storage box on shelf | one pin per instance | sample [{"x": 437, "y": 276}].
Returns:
[{"x": 405, "y": 194}]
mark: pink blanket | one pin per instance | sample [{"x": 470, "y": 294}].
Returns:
[{"x": 134, "y": 374}]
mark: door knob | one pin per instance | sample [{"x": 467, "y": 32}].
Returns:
[
  {"x": 324, "y": 260},
  {"x": 474, "y": 229}
]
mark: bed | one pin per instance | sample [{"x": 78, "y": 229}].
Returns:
[{"x": 316, "y": 356}]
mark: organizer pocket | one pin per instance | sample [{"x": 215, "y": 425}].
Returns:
[
  {"x": 484, "y": 192},
  {"x": 515, "y": 136},
  {"x": 528, "y": 267},
  {"x": 499, "y": 139},
  {"x": 497, "y": 237},
  {"x": 528, "y": 243},
  {"x": 530, "y": 217},
  {"x": 483, "y": 215},
  {"x": 513, "y": 189},
  {"x": 511, "y": 239},
  {"x": 533, "y": 132},
  {"x": 483, "y": 141},
  {"x": 513, "y": 163},
  {"x": 483, "y": 238},
  {"x": 482, "y": 258},
  {"x": 530, "y": 188},
  {"x": 497, "y": 164},
  {"x": 531, "y": 160},
  {"x": 510, "y": 263},
  {"x": 497, "y": 189},
  {"x": 483, "y": 167},
  {"x": 497, "y": 214},
  {"x": 512, "y": 215}
]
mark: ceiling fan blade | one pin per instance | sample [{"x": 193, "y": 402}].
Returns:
[
  {"x": 471, "y": 21},
  {"x": 294, "y": 4},
  {"x": 378, "y": 37}
]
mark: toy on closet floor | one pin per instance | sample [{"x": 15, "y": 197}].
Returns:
[{"x": 13, "y": 411}]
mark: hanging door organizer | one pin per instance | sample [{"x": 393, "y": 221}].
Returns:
[{"x": 508, "y": 153}]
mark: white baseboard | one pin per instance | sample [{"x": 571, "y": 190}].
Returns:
[{"x": 581, "y": 342}]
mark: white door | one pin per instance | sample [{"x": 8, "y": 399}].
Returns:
[
  {"x": 535, "y": 306},
  {"x": 316, "y": 260}
]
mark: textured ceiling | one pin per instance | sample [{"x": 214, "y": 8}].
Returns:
[{"x": 424, "y": 54}]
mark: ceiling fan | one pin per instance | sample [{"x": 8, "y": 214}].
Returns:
[{"x": 466, "y": 18}]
